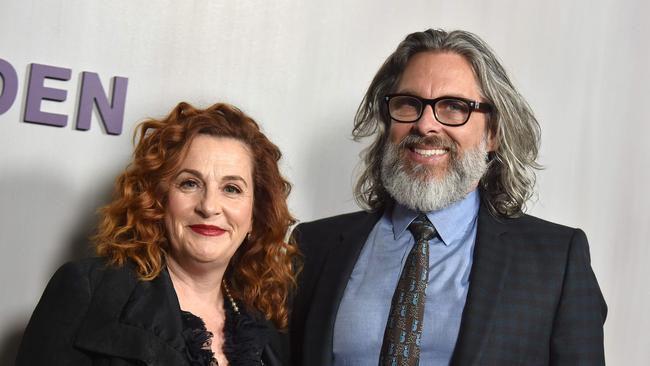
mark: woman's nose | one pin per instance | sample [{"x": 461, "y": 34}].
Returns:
[{"x": 210, "y": 204}]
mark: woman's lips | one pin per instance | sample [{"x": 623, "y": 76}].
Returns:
[{"x": 207, "y": 230}]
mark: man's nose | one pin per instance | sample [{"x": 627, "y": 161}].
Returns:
[{"x": 427, "y": 124}]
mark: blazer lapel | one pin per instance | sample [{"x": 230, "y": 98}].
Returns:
[
  {"x": 134, "y": 319},
  {"x": 338, "y": 267},
  {"x": 492, "y": 255}
]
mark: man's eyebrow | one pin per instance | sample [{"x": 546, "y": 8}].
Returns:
[
  {"x": 451, "y": 95},
  {"x": 407, "y": 91}
]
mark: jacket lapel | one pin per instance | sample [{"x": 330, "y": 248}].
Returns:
[
  {"x": 491, "y": 260},
  {"x": 134, "y": 319},
  {"x": 338, "y": 267}
]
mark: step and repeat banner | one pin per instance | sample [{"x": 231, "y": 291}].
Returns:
[{"x": 77, "y": 76}]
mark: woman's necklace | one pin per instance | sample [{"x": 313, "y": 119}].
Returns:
[{"x": 230, "y": 298}]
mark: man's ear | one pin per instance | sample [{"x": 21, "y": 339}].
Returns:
[{"x": 492, "y": 141}]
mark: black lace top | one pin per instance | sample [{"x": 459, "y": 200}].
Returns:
[{"x": 245, "y": 338}]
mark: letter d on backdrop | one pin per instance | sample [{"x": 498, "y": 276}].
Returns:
[{"x": 9, "y": 85}]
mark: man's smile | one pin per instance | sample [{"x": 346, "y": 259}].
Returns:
[{"x": 429, "y": 152}]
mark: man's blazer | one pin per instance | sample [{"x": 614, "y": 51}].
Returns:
[
  {"x": 533, "y": 298},
  {"x": 94, "y": 314}
]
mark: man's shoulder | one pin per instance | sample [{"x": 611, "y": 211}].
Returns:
[
  {"x": 323, "y": 231},
  {"x": 528, "y": 222},
  {"x": 534, "y": 227},
  {"x": 341, "y": 220}
]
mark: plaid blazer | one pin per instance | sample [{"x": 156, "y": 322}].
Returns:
[{"x": 533, "y": 297}]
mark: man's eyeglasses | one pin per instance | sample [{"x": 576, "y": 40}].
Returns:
[{"x": 450, "y": 111}]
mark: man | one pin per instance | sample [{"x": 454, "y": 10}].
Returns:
[{"x": 444, "y": 267}]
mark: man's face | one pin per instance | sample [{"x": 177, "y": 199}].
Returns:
[
  {"x": 431, "y": 75},
  {"x": 427, "y": 157}
]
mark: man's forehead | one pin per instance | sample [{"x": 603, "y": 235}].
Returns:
[{"x": 433, "y": 74}]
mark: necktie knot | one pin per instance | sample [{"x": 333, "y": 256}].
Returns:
[{"x": 422, "y": 228}]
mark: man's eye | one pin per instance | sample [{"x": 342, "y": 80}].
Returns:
[
  {"x": 405, "y": 104},
  {"x": 454, "y": 106},
  {"x": 232, "y": 189}
]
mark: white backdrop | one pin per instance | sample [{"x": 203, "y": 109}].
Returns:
[{"x": 300, "y": 69}]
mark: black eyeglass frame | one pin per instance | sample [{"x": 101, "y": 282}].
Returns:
[{"x": 472, "y": 104}]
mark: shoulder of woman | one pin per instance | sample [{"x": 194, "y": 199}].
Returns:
[
  {"x": 58, "y": 314},
  {"x": 76, "y": 281},
  {"x": 88, "y": 272}
]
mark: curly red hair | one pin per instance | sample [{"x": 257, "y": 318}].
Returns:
[{"x": 132, "y": 226}]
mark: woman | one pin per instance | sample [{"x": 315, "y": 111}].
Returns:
[{"x": 192, "y": 269}]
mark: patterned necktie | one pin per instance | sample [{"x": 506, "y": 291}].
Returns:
[{"x": 401, "y": 346}]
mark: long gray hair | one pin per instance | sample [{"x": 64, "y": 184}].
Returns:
[{"x": 510, "y": 178}]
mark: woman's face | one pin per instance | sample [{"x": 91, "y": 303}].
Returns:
[{"x": 210, "y": 201}]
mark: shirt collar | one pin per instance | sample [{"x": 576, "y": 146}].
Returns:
[{"x": 451, "y": 222}]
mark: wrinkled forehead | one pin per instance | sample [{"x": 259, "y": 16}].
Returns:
[{"x": 432, "y": 74}]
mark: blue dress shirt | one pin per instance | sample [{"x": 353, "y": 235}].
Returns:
[{"x": 363, "y": 312}]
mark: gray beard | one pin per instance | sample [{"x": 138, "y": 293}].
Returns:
[{"x": 416, "y": 186}]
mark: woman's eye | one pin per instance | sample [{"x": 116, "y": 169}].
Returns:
[
  {"x": 232, "y": 189},
  {"x": 188, "y": 184}
]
